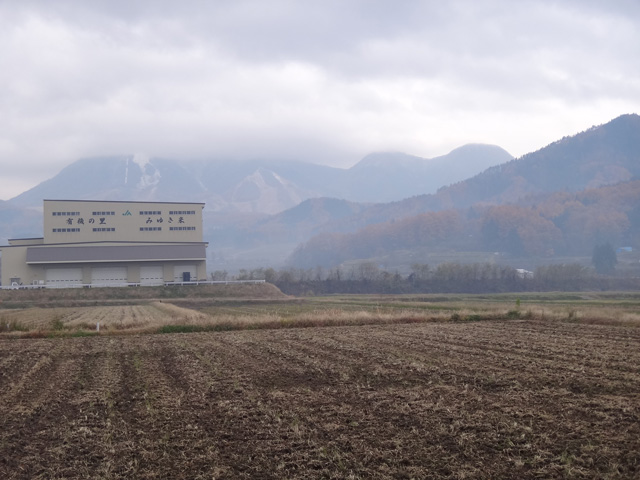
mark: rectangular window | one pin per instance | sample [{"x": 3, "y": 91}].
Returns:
[
  {"x": 65, "y": 214},
  {"x": 150, "y": 229},
  {"x": 182, "y": 212},
  {"x": 102, "y": 214},
  {"x": 150, "y": 212},
  {"x": 181, "y": 228},
  {"x": 105, "y": 229},
  {"x": 66, "y": 230}
]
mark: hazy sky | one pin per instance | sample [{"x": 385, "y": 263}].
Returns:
[{"x": 326, "y": 81}]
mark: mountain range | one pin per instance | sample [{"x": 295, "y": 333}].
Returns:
[
  {"x": 261, "y": 209},
  {"x": 259, "y": 186},
  {"x": 539, "y": 187}
]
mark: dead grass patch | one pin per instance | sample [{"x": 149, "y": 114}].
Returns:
[{"x": 205, "y": 314}]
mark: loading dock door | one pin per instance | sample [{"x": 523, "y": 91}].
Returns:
[
  {"x": 64, "y": 277},
  {"x": 152, "y": 275},
  {"x": 108, "y": 276}
]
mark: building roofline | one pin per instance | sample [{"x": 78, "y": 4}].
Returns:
[
  {"x": 79, "y": 244},
  {"x": 138, "y": 260},
  {"x": 25, "y": 238},
  {"x": 119, "y": 201}
]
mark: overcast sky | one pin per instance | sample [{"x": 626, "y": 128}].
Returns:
[{"x": 326, "y": 81}]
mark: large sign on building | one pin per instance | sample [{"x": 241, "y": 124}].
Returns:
[{"x": 74, "y": 221}]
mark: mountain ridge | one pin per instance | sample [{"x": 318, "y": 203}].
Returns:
[{"x": 253, "y": 185}]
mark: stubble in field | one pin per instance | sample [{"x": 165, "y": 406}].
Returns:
[{"x": 507, "y": 399}]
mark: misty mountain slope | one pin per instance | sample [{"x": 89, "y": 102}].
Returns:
[
  {"x": 316, "y": 211},
  {"x": 294, "y": 225},
  {"x": 173, "y": 182},
  {"x": 116, "y": 178},
  {"x": 18, "y": 222},
  {"x": 97, "y": 175},
  {"x": 264, "y": 191},
  {"x": 220, "y": 176},
  {"x": 306, "y": 219}
]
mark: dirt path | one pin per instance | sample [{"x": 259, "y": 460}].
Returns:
[{"x": 478, "y": 400}]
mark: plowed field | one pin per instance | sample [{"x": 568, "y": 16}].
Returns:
[{"x": 508, "y": 399}]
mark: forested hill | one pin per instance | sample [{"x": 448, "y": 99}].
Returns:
[
  {"x": 562, "y": 223},
  {"x": 602, "y": 155}
]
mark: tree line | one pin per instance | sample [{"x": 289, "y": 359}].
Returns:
[{"x": 368, "y": 277}]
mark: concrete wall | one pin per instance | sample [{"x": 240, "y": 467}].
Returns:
[{"x": 14, "y": 265}]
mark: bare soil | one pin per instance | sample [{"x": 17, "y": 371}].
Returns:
[{"x": 508, "y": 399}]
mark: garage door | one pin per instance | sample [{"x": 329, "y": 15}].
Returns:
[
  {"x": 152, "y": 275},
  {"x": 184, "y": 273},
  {"x": 64, "y": 277},
  {"x": 108, "y": 276}
]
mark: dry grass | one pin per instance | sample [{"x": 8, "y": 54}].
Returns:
[
  {"x": 214, "y": 313},
  {"x": 111, "y": 319},
  {"x": 167, "y": 317}
]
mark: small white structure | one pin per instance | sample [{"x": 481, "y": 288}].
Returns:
[{"x": 522, "y": 273}]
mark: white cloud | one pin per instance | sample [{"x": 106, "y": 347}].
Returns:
[{"x": 320, "y": 81}]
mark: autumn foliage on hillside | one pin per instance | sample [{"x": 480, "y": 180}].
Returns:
[
  {"x": 427, "y": 229},
  {"x": 544, "y": 225}
]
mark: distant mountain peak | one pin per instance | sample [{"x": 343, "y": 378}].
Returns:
[
  {"x": 601, "y": 155},
  {"x": 479, "y": 148},
  {"x": 385, "y": 159}
]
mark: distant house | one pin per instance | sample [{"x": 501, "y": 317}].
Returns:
[{"x": 103, "y": 243}]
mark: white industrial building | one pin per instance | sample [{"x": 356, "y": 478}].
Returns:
[{"x": 104, "y": 243}]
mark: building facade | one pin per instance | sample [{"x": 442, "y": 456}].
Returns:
[{"x": 104, "y": 243}]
